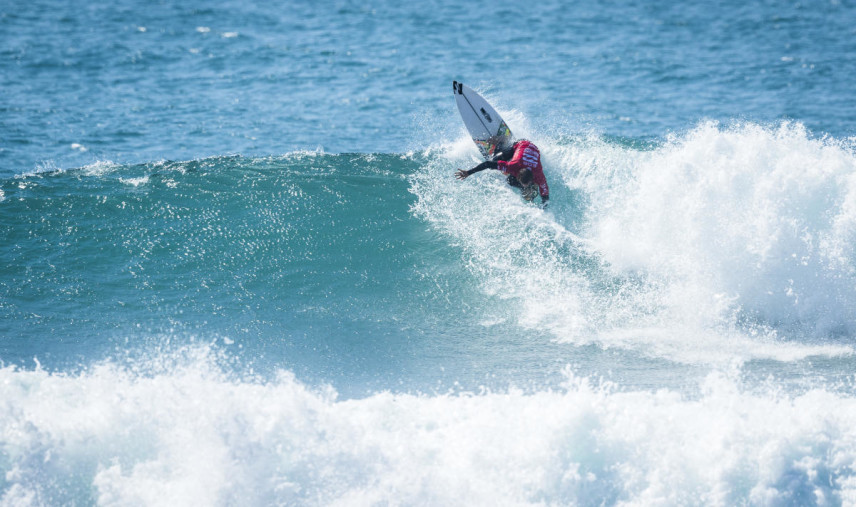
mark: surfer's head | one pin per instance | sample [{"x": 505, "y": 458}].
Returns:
[{"x": 528, "y": 188}]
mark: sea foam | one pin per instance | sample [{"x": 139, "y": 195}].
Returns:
[{"x": 192, "y": 435}]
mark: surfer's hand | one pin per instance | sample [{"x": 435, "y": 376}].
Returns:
[{"x": 462, "y": 174}]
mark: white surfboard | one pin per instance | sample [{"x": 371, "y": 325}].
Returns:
[{"x": 484, "y": 124}]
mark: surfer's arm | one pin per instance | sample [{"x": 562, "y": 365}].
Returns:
[
  {"x": 543, "y": 188},
  {"x": 489, "y": 164}
]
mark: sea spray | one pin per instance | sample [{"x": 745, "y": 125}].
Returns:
[{"x": 664, "y": 248}]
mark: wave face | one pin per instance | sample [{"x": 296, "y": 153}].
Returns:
[
  {"x": 348, "y": 328},
  {"x": 297, "y": 255}
]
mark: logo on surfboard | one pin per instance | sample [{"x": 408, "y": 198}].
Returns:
[{"x": 486, "y": 116}]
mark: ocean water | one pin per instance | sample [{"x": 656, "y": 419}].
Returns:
[{"x": 236, "y": 268}]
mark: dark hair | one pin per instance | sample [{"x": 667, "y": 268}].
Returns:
[
  {"x": 525, "y": 177},
  {"x": 506, "y": 154}
]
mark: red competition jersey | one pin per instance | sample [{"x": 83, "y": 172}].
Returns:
[{"x": 527, "y": 156}]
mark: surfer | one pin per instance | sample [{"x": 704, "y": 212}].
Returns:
[{"x": 522, "y": 164}]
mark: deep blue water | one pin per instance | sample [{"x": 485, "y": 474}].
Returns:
[
  {"x": 235, "y": 267},
  {"x": 133, "y": 83}
]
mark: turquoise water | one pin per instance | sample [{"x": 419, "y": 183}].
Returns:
[{"x": 237, "y": 269}]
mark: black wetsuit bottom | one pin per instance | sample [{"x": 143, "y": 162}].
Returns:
[{"x": 512, "y": 180}]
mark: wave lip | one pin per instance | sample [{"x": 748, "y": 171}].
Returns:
[{"x": 761, "y": 219}]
